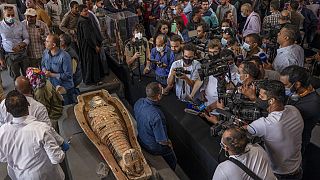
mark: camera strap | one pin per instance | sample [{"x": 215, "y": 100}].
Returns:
[{"x": 245, "y": 168}]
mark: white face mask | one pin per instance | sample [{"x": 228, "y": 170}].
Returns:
[
  {"x": 246, "y": 47},
  {"x": 9, "y": 19},
  {"x": 138, "y": 36},
  {"x": 159, "y": 49}
]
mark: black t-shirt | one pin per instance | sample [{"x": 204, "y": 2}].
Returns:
[{"x": 309, "y": 107}]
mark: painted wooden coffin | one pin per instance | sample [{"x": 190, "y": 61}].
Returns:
[{"x": 108, "y": 124}]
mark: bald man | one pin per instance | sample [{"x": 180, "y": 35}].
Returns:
[
  {"x": 162, "y": 54},
  {"x": 253, "y": 22},
  {"x": 36, "y": 109}
]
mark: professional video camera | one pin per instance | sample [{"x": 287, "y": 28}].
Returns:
[
  {"x": 221, "y": 126},
  {"x": 237, "y": 109},
  {"x": 180, "y": 71},
  {"x": 272, "y": 32},
  {"x": 215, "y": 68}
]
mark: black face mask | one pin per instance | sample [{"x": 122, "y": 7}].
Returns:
[
  {"x": 187, "y": 61},
  {"x": 262, "y": 104},
  {"x": 214, "y": 56}
]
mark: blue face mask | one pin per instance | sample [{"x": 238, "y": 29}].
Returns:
[
  {"x": 246, "y": 47},
  {"x": 162, "y": 6},
  {"x": 224, "y": 42},
  {"x": 288, "y": 92},
  {"x": 264, "y": 45},
  {"x": 238, "y": 78},
  {"x": 174, "y": 12},
  {"x": 242, "y": 14}
]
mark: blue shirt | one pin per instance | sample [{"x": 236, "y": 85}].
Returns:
[
  {"x": 60, "y": 64},
  {"x": 167, "y": 59},
  {"x": 150, "y": 123},
  {"x": 187, "y": 9},
  {"x": 10, "y": 36},
  {"x": 210, "y": 18}
]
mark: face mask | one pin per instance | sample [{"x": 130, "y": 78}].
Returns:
[
  {"x": 138, "y": 36},
  {"x": 224, "y": 42},
  {"x": 246, "y": 47},
  {"x": 262, "y": 104},
  {"x": 9, "y": 20},
  {"x": 174, "y": 12},
  {"x": 264, "y": 46},
  {"x": 238, "y": 78},
  {"x": 242, "y": 14},
  {"x": 224, "y": 28},
  {"x": 159, "y": 49},
  {"x": 162, "y": 6},
  {"x": 288, "y": 92},
  {"x": 214, "y": 56},
  {"x": 187, "y": 61}
]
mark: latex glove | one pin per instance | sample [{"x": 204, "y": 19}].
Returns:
[{"x": 65, "y": 146}]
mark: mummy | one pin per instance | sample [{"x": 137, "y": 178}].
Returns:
[{"x": 112, "y": 131}]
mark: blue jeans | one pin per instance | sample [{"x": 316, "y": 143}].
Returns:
[
  {"x": 71, "y": 96},
  {"x": 162, "y": 79},
  {"x": 165, "y": 151}
]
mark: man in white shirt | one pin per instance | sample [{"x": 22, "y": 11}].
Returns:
[
  {"x": 235, "y": 142},
  {"x": 289, "y": 53},
  {"x": 184, "y": 73},
  {"x": 253, "y": 22},
  {"x": 281, "y": 130},
  {"x": 28, "y": 146},
  {"x": 36, "y": 109}
]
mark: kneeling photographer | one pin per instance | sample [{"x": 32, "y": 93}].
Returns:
[
  {"x": 184, "y": 73},
  {"x": 245, "y": 161}
]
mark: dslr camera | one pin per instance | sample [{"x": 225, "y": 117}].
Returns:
[{"x": 180, "y": 71}]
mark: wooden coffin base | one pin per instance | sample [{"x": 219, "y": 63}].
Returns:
[{"x": 81, "y": 113}]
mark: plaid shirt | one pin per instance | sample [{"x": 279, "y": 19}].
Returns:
[
  {"x": 271, "y": 20},
  {"x": 37, "y": 36}
]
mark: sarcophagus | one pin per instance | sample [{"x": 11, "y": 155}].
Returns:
[{"x": 108, "y": 124}]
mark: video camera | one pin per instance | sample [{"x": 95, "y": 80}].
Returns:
[
  {"x": 237, "y": 109},
  {"x": 180, "y": 71},
  {"x": 221, "y": 126},
  {"x": 272, "y": 32},
  {"x": 215, "y": 68}
]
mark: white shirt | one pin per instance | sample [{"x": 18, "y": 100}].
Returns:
[
  {"x": 252, "y": 25},
  {"x": 182, "y": 88},
  {"x": 286, "y": 56},
  {"x": 256, "y": 159},
  {"x": 30, "y": 150},
  {"x": 36, "y": 109},
  {"x": 211, "y": 91},
  {"x": 54, "y": 11},
  {"x": 282, "y": 134}
]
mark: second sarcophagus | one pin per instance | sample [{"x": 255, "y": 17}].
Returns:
[{"x": 109, "y": 126}]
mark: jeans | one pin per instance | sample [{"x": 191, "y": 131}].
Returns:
[
  {"x": 162, "y": 79},
  {"x": 70, "y": 97},
  {"x": 17, "y": 62},
  {"x": 165, "y": 151}
]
